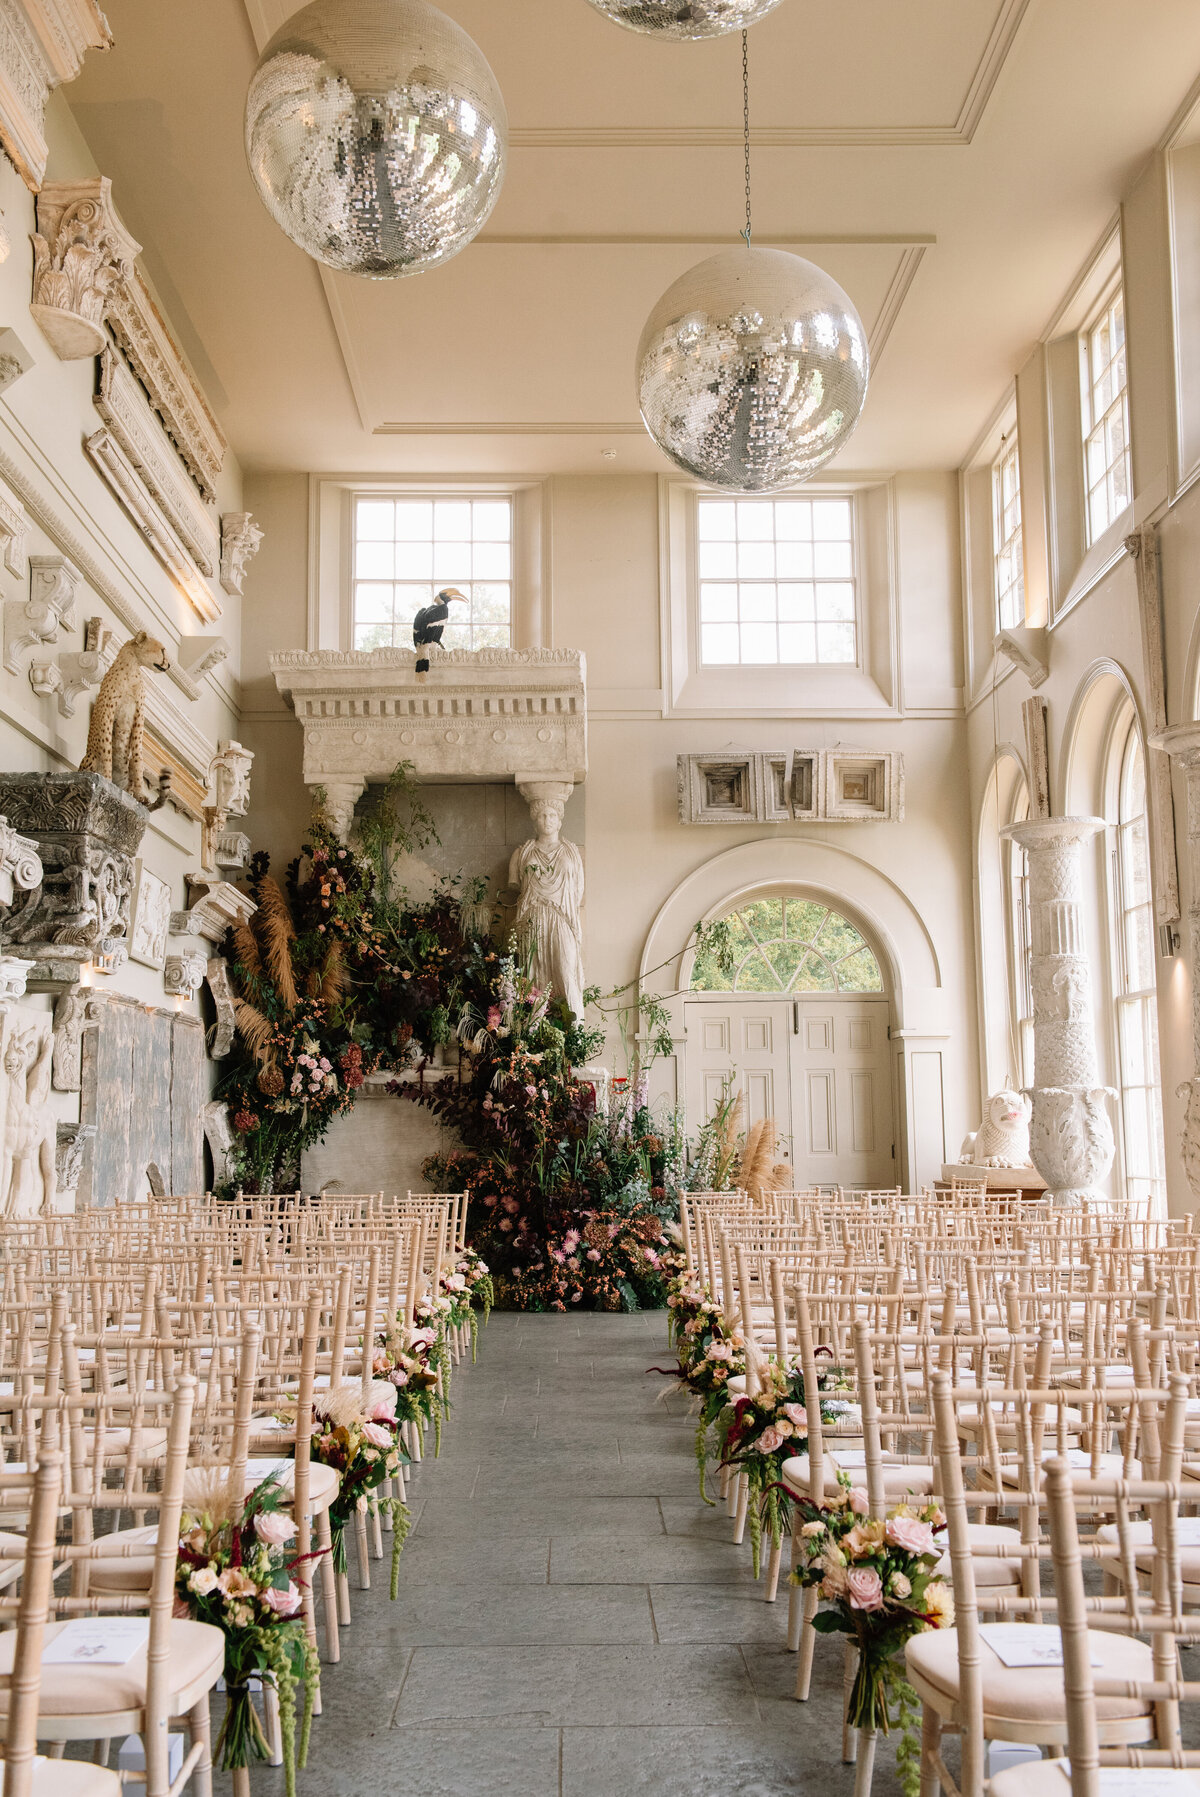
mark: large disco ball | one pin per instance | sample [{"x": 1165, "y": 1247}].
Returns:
[
  {"x": 752, "y": 370},
  {"x": 686, "y": 18},
  {"x": 376, "y": 134}
]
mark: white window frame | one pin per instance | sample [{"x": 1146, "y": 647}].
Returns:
[
  {"x": 1013, "y": 542},
  {"x": 808, "y": 497},
  {"x": 1093, "y": 426},
  {"x": 1133, "y": 1007},
  {"x": 432, "y": 497},
  {"x": 869, "y": 687},
  {"x": 330, "y": 622}
]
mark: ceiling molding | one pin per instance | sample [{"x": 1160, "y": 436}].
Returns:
[
  {"x": 960, "y": 131},
  {"x": 715, "y": 240},
  {"x": 889, "y": 310}
]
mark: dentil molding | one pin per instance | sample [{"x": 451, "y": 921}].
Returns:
[
  {"x": 42, "y": 45},
  {"x": 484, "y": 714}
]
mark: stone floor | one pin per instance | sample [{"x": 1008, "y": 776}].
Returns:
[{"x": 572, "y": 1621}]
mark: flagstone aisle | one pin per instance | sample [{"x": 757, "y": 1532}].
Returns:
[{"x": 572, "y": 1621}]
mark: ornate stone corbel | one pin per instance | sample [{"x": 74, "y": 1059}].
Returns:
[
  {"x": 1027, "y": 648},
  {"x": 14, "y": 972},
  {"x": 220, "y": 1036},
  {"x": 240, "y": 539},
  {"x": 195, "y": 657},
  {"x": 15, "y": 360},
  {"x": 74, "y": 1008},
  {"x": 20, "y": 863},
  {"x": 80, "y": 251},
  {"x": 45, "y": 676},
  {"x": 73, "y": 1139},
  {"x": 49, "y": 608},
  {"x": 184, "y": 974},
  {"x": 233, "y": 851},
  {"x": 1070, "y": 1134},
  {"x": 229, "y": 785}
]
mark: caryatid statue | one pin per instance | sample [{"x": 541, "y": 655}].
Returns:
[
  {"x": 28, "y": 1175},
  {"x": 549, "y": 873}
]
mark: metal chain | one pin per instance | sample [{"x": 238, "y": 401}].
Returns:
[{"x": 746, "y": 127}]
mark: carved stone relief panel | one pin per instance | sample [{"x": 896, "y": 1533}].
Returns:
[
  {"x": 151, "y": 918},
  {"x": 798, "y": 785},
  {"x": 87, "y": 833}
]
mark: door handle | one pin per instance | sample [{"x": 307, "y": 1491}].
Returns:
[{"x": 795, "y": 1017}]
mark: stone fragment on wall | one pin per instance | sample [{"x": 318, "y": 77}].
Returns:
[{"x": 87, "y": 833}]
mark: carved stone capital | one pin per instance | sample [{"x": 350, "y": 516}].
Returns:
[
  {"x": 86, "y": 832},
  {"x": 14, "y": 972},
  {"x": 20, "y": 864},
  {"x": 551, "y": 794},
  {"x": 240, "y": 539},
  {"x": 184, "y": 974},
  {"x": 341, "y": 796},
  {"x": 80, "y": 251},
  {"x": 216, "y": 906}
]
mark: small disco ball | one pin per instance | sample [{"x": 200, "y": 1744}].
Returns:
[
  {"x": 752, "y": 370},
  {"x": 685, "y": 18},
  {"x": 376, "y": 135}
]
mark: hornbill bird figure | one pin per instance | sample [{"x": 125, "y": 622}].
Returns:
[{"x": 428, "y": 624}]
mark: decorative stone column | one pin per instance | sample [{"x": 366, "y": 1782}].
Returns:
[
  {"x": 1070, "y": 1137},
  {"x": 1182, "y": 744}
]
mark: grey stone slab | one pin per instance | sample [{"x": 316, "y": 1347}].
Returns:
[
  {"x": 744, "y": 1760},
  {"x": 482, "y": 1615},
  {"x": 584, "y": 1686},
  {"x": 421, "y": 1761},
  {"x": 685, "y": 1612},
  {"x": 530, "y": 1512},
  {"x": 689, "y": 1516},
  {"x": 496, "y": 1559},
  {"x": 667, "y": 1560}
]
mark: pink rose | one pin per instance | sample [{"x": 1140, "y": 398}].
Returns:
[
  {"x": 284, "y": 1603},
  {"x": 381, "y": 1410},
  {"x": 423, "y": 1338},
  {"x": 273, "y": 1527},
  {"x": 377, "y": 1435},
  {"x": 858, "y": 1500},
  {"x": 398, "y": 1376},
  {"x": 593, "y": 1253},
  {"x": 864, "y": 1588},
  {"x": 909, "y": 1533},
  {"x": 796, "y": 1413},
  {"x": 769, "y": 1440}
]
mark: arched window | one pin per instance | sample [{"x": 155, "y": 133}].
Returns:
[
  {"x": 791, "y": 946},
  {"x": 1134, "y": 976}
]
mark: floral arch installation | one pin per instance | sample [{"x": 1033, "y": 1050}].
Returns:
[{"x": 790, "y": 946}]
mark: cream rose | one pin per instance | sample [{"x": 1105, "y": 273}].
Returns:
[
  {"x": 909, "y": 1533},
  {"x": 858, "y": 1499}
]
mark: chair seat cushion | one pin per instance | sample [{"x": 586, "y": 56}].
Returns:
[
  {"x": 197, "y": 1660},
  {"x": 1031, "y": 1694},
  {"x": 73, "y": 1778},
  {"x": 899, "y": 1479},
  {"x": 990, "y": 1569},
  {"x": 112, "y": 1569},
  {"x": 323, "y": 1481}
]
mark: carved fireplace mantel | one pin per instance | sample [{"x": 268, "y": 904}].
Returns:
[{"x": 484, "y": 714}]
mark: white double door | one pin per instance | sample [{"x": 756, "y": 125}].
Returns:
[{"x": 819, "y": 1066}]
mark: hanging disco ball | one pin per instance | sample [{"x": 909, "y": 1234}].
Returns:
[
  {"x": 752, "y": 370},
  {"x": 685, "y": 18},
  {"x": 376, "y": 135}
]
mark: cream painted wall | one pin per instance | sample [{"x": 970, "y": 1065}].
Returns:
[
  {"x": 44, "y": 418},
  {"x": 605, "y": 600}
]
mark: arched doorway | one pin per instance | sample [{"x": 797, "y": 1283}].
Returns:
[{"x": 801, "y": 1022}]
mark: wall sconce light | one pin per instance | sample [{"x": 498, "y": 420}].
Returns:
[{"x": 1168, "y": 940}]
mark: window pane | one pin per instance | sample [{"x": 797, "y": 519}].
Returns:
[
  {"x": 414, "y": 561},
  {"x": 491, "y": 561},
  {"x": 414, "y": 520},
  {"x": 374, "y": 561},
  {"x": 373, "y": 604},
  {"x": 719, "y": 644},
  {"x": 492, "y": 521},
  {"x": 451, "y": 521},
  {"x": 762, "y": 541},
  {"x": 374, "y": 520},
  {"x": 451, "y": 563},
  {"x": 372, "y": 636}
]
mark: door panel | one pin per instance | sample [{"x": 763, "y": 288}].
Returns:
[{"x": 818, "y": 1066}]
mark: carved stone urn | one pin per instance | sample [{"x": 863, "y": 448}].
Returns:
[{"x": 1070, "y": 1132}]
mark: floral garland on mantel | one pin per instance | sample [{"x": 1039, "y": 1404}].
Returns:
[{"x": 334, "y": 979}]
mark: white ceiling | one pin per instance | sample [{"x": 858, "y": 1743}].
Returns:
[{"x": 951, "y": 162}]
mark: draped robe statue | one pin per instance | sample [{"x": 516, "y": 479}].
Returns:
[{"x": 549, "y": 873}]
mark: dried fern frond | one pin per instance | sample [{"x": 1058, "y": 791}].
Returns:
[
  {"x": 245, "y": 948},
  {"x": 757, "y": 1172},
  {"x": 212, "y": 1495},
  {"x": 335, "y": 981},
  {"x": 255, "y": 1030},
  {"x": 276, "y": 932}
]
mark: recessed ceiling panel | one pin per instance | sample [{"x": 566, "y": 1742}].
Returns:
[{"x": 533, "y": 333}]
